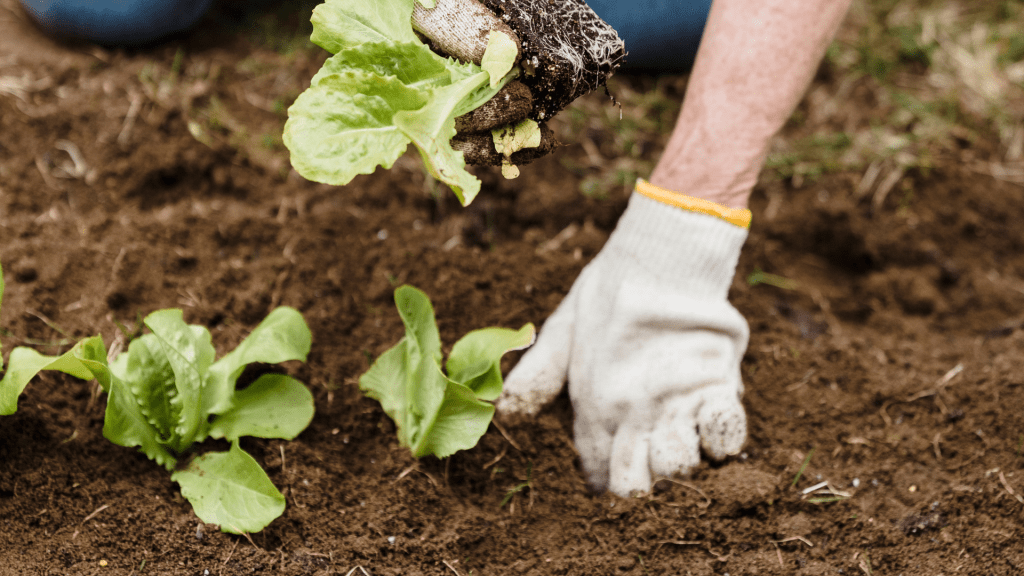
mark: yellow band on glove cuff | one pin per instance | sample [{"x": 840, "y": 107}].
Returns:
[{"x": 737, "y": 216}]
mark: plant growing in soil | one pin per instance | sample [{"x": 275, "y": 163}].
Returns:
[
  {"x": 436, "y": 413},
  {"x": 166, "y": 393}
]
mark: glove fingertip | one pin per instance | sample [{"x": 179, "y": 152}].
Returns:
[
  {"x": 531, "y": 385},
  {"x": 723, "y": 428}
]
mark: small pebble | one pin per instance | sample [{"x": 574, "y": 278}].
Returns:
[
  {"x": 391, "y": 539},
  {"x": 856, "y": 482},
  {"x": 382, "y": 235}
]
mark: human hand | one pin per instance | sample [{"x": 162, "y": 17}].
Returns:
[
  {"x": 566, "y": 52},
  {"x": 650, "y": 346}
]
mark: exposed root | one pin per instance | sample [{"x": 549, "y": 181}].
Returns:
[{"x": 568, "y": 51}]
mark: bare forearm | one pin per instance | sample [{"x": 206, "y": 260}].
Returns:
[{"x": 755, "y": 61}]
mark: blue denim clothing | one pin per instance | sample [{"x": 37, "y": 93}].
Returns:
[
  {"x": 116, "y": 22},
  {"x": 660, "y": 35}
]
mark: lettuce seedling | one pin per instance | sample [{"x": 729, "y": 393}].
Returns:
[
  {"x": 166, "y": 393},
  {"x": 434, "y": 413},
  {"x": 382, "y": 90}
]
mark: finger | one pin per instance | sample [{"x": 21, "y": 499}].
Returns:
[
  {"x": 722, "y": 423},
  {"x": 675, "y": 445},
  {"x": 460, "y": 27},
  {"x": 594, "y": 444},
  {"x": 541, "y": 373},
  {"x": 510, "y": 105},
  {"x": 628, "y": 466},
  {"x": 479, "y": 148}
]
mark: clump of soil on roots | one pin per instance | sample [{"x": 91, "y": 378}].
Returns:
[{"x": 568, "y": 50}]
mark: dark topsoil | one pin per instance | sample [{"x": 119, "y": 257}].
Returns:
[{"x": 186, "y": 201}]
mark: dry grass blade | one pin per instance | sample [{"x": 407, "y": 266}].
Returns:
[
  {"x": 504, "y": 433},
  {"x": 794, "y": 538},
  {"x": 94, "y": 513},
  {"x": 450, "y": 567},
  {"x": 707, "y": 500},
  {"x": 1002, "y": 478}
]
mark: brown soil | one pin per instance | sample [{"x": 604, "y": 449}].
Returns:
[{"x": 189, "y": 203}]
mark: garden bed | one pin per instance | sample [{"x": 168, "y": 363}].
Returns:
[{"x": 891, "y": 366}]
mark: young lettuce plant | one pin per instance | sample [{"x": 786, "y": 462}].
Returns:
[
  {"x": 166, "y": 393},
  {"x": 382, "y": 90},
  {"x": 436, "y": 413}
]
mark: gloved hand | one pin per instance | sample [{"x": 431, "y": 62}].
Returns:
[
  {"x": 115, "y": 22},
  {"x": 568, "y": 52},
  {"x": 649, "y": 343}
]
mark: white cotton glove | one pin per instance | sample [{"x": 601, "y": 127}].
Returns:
[{"x": 649, "y": 344}]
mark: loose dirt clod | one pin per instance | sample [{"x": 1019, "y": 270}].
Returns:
[
  {"x": 567, "y": 49},
  {"x": 479, "y": 148}
]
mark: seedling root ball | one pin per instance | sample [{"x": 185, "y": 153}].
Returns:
[{"x": 568, "y": 50}]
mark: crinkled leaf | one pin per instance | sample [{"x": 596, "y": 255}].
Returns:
[
  {"x": 343, "y": 125},
  {"x": 190, "y": 353},
  {"x": 383, "y": 89},
  {"x": 338, "y": 24},
  {"x": 335, "y": 135},
  {"x": 230, "y": 489},
  {"x": 431, "y": 129},
  {"x": 25, "y": 363},
  {"x": 475, "y": 360},
  {"x": 499, "y": 56},
  {"x": 274, "y": 406},
  {"x": 412, "y": 64},
  {"x": 124, "y": 424},
  {"x": 282, "y": 336},
  {"x": 459, "y": 424},
  {"x": 148, "y": 374}
]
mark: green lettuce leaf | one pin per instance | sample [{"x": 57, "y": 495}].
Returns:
[
  {"x": 231, "y": 490},
  {"x": 274, "y": 406},
  {"x": 435, "y": 414},
  {"x": 460, "y": 422},
  {"x": 475, "y": 360},
  {"x": 407, "y": 379},
  {"x": 499, "y": 56},
  {"x": 124, "y": 424},
  {"x": 25, "y": 363},
  {"x": 190, "y": 353},
  {"x": 282, "y": 336},
  {"x": 382, "y": 90},
  {"x": 338, "y": 24},
  {"x": 150, "y": 378}
]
